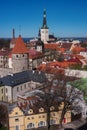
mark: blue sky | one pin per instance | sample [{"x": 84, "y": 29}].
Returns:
[{"x": 65, "y": 18}]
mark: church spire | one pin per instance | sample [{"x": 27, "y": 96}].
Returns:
[
  {"x": 13, "y": 33},
  {"x": 39, "y": 35},
  {"x": 44, "y": 20}
]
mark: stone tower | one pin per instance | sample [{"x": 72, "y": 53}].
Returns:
[
  {"x": 20, "y": 56},
  {"x": 44, "y": 29}
]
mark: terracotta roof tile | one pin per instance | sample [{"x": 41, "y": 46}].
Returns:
[
  {"x": 19, "y": 47},
  {"x": 51, "y": 46}
]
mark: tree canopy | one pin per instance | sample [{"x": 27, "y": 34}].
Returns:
[{"x": 81, "y": 84}]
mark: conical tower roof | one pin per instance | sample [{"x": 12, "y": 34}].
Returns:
[{"x": 20, "y": 47}]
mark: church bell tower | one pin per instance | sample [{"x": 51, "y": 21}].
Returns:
[{"x": 44, "y": 29}]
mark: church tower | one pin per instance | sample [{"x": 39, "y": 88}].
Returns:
[
  {"x": 20, "y": 56},
  {"x": 39, "y": 44},
  {"x": 44, "y": 29}
]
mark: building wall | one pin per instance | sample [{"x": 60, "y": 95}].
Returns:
[
  {"x": 32, "y": 120},
  {"x": 2, "y": 93},
  {"x": 5, "y": 94},
  {"x": 35, "y": 119},
  {"x": 3, "y": 61},
  {"x": 84, "y": 54},
  {"x": 76, "y": 73},
  {"x": 5, "y": 71},
  {"x": 20, "y": 62},
  {"x": 10, "y": 63},
  {"x": 8, "y": 93},
  {"x": 12, "y": 45},
  {"x": 19, "y": 89},
  {"x": 11, "y": 94},
  {"x": 16, "y": 118}
]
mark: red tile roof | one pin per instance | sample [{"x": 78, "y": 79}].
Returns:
[
  {"x": 20, "y": 47},
  {"x": 50, "y": 69},
  {"x": 51, "y": 46},
  {"x": 77, "y": 49},
  {"x": 54, "y": 46},
  {"x": 54, "y": 67},
  {"x": 33, "y": 54}
]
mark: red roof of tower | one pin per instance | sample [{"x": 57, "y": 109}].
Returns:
[{"x": 20, "y": 46}]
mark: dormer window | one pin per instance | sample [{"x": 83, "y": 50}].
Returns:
[
  {"x": 30, "y": 111},
  {"x": 16, "y": 113},
  {"x": 41, "y": 109}
]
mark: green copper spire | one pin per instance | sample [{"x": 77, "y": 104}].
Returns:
[{"x": 44, "y": 20}]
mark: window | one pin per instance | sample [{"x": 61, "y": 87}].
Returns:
[
  {"x": 17, "y": 127},
  {"x": 6, "y": 90},
  {"x": 55, "y": 82},
  {"x": 41, "y": 123},
  {"x": 43, "y": 116},
  {"x": 17, "y": 89},
  {"x": 21, "y": 87},
  {"x": 25, "y": 86},
  {"x": 30, "y": 125},
  {"x": 16, "y": 113},
  {"x": 53, "y": 114},
  {"x": 2, "y": 90},
  {"x": 17, "y": 56},
  {"x": 52, "y": 122},
  {"x": 2, "y": 98},
  {"x": 32, "y": 117},
  {"x": 16, "y": 120}
]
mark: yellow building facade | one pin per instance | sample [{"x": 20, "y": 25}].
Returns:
[{"x": 20, "y": 121}]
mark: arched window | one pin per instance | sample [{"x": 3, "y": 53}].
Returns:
[
  {"x": 52, "y": 122},
  {"x": 41, "y": 123},
  {"x": 30, "y": 125},
  {"x": 17, "y": 127}
]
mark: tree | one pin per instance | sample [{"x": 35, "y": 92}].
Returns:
[
  {"x": 76, "y": 67},
  {"x": 81, "y": 84},
  {"x": 56, "y": 91},
  {"x": 70, "y": 95},
  {"x": 48, "y": 100},
  {"x": 3, "y": 115}
]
